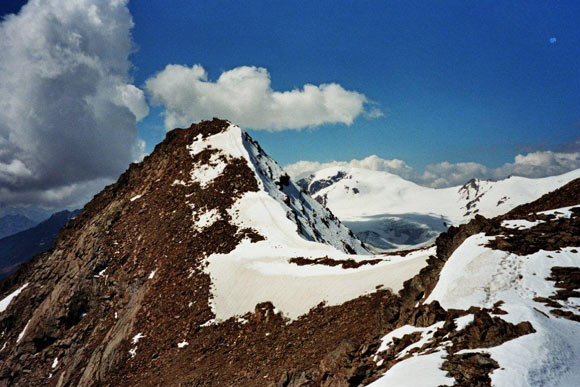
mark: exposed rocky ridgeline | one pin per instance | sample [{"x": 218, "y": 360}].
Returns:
[
  {"x": 132, "y": 264},
  {"x": 136, "y": 290}
]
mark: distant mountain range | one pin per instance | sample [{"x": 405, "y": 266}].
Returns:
[
  {"x": 11, "y": 224},
  {"x": 388, "y": 212},
  {"x": 36, "y": 214},
  {"x": 20, "y": 247}
]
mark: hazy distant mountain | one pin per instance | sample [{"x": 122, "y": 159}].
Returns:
[
  {"x": 18, "y": 248},
  {"x": 35, "y": 214},
  {"x": 11, "y": 224}
]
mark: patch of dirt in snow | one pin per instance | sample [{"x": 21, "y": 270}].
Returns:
[
  {"x": 327, "y": 261},
  {"x": 553, "y": 234},
  {"x": 567, "y": 284}
]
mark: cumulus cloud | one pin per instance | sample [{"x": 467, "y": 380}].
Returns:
[
  {"x": 446, "y": 174},
  {"x": 244, "y": 95},
  {"x": 68, "y": 110},
  {"x": 304, "y": 168}
]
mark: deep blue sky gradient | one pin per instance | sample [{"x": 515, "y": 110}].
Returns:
[{"x": 457, "y": 80}]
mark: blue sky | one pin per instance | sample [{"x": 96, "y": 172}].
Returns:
[
  {"x": 457, "y": 80},
  {"x": 466, "y": 89}
]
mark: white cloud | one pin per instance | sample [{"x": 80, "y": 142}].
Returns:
[
  {"x": 244, "y": 95},
  {"x": 134, "y": 99},
  {"x": 303, "y": 168},
  {"x": 553, "y": 40},
  {"x": 67, "y": 108},
  {"x": 446, "y": 174},
  {"x": 539, "y": 164}
]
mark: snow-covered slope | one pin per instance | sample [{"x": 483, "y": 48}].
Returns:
[
  {"x": 529, "y": 280},
  {"x": 292, "y": 225},
  {"x": 279, "y": 210},
  {"x": 388, "y": 212}
]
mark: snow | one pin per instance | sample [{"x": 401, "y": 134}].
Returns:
[
  {"x": 520, "y": 224},
  {"x": 54, "y": 362},
  {"x": 478, "y": 276},
  {"x": 559, "y": 213},
  {"x": 137, "y": 337},
  {"x": 259, "y": 272},
  {"x": 208, "y": 323},
  {"x": 269, "y": 200},
  {"x": 426, "y": 335},
  {"x": 135, "y": 197},
  {"x": 416, "y": 371},
  {"x": 206, "y": 173},
  {"x": 207, "y": 219},
  {"x": 152, "y": 274},
  {"x": 463, "y": 321},
  {"x": 21, "y": 334},
  {"x": 100, "y": 273},
  {"x": 183, "y": 344},
  {"x": 8, "y": 299},
  {"x": 563, "y": 212},
  {"x": 377, "y": 201}
]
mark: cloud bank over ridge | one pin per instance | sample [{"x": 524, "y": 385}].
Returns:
[{"x": 445, "y": 174}]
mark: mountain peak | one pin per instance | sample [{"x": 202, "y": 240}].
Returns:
[{"x": 207, "y": 253}]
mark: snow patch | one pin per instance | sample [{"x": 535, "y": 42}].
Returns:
[
  {"x": 520, "y": 224},
  {"x": 135, "y": 197},
  {"x": 207, "y": 219},
  {"x": 424, "y": 370},
  {"x": 426, "y": 335},
  {"x": 206, "y": 173},
  {"x": 137, "y": 337},
  {"x": 21, "y": 335},
  {"x": 8, "y": 299},
  {"x": 478, "y": 276}
]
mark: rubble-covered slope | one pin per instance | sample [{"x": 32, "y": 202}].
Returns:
[
  {"x": 202, "y": 255},
  {"x": 193, "y": 269}
]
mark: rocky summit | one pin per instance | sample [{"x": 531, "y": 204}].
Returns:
[{"x": 206, "y": 265}]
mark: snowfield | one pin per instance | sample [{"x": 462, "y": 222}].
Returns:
[
  {"x": 293, "y": 225},
  {"x": 262, "y": 271},
  {"x": 478, "y": 276},
  {"x": 391, "y": 213}
]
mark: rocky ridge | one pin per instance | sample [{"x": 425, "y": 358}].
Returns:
[{"x": 125, "y": 297}]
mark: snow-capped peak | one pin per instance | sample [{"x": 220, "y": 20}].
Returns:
[
  {"x": 388, "y": 212},
  {"x": 280, "y": 202}
]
